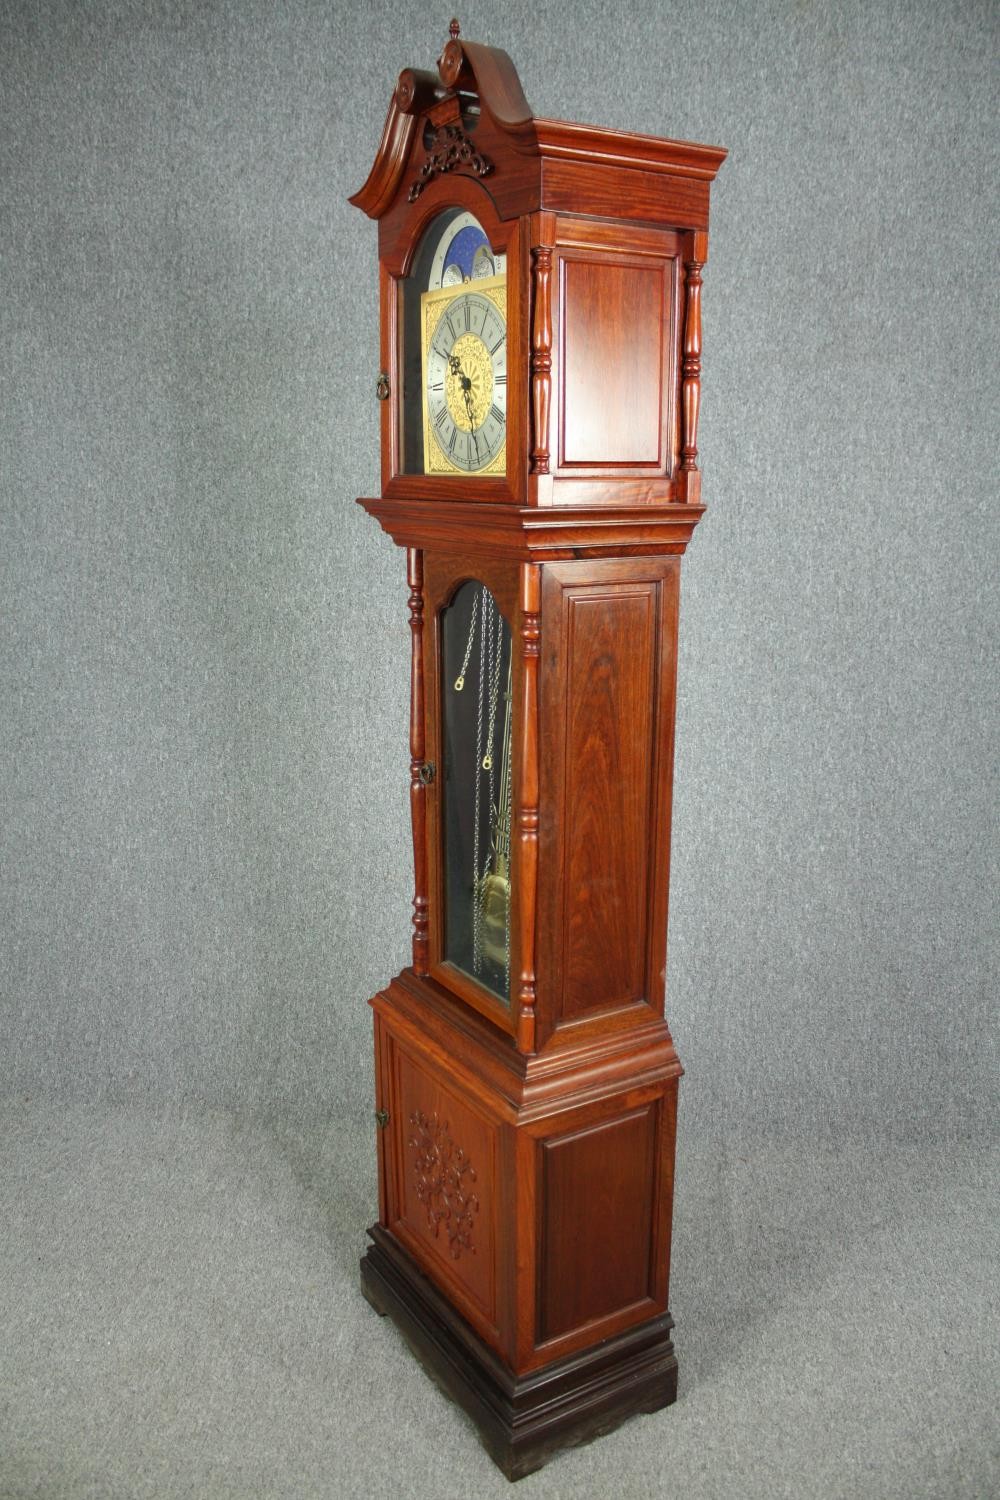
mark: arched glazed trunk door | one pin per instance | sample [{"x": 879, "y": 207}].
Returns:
[{"x": 476, "y": 744}]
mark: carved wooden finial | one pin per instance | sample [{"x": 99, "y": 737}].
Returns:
[
  {"x": 454, "y": 30},
  {"x": 452, "y": 60}
]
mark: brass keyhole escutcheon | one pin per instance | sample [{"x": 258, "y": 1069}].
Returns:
[
  {"x": 427, "y": 772},
  {"x": 381, "y": 1118},
  {"x": 382, "y": 386}
]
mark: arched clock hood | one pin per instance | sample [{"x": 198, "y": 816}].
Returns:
[{"x": 471, "y": 119}]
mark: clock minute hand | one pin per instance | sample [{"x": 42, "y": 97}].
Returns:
[{"x": 472, "y": 423}]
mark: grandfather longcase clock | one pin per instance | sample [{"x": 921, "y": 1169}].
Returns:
[{"x": 540, "y": 382}]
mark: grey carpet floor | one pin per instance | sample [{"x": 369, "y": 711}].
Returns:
[{"x": 181, "y": 1318}]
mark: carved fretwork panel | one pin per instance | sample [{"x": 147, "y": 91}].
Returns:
[{"x": 449, "y": 149}]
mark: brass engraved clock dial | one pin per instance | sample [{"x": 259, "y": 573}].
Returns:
[{"x": 464, "y": 361}]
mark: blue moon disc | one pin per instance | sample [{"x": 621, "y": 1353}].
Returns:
[{"x": 462, "y": 250}]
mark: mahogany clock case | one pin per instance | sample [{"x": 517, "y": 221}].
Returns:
[{"x": 527, "y": 1128}]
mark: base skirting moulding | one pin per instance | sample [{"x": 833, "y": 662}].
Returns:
[{"x": 523, "y": 1420}]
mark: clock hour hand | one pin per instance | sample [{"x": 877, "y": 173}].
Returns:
[{"x": 456, "y": 369}]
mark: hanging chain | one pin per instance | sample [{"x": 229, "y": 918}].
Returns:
[
  {"x": 491, "y": 629},
  {"x": 488, "y": 621},
  {"x": 505, "y": 798},
  {"x": 477, "y": 938},
  {"x": 460, "y": 679},
  {"x": 495, "y": 658},
  {"x": 494, "y": 678},
  {"x": 506, "y": 937}
]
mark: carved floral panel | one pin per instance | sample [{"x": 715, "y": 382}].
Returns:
[{"x": 445, "y": 1182}]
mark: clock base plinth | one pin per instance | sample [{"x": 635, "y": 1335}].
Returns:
[{"x": 523, "y": 1420}]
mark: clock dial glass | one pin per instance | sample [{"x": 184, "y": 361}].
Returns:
[
  {"x": 465, "y": 378},
  {"x": 476, "y": 787},
  {"x": 453, "y": 352}
]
